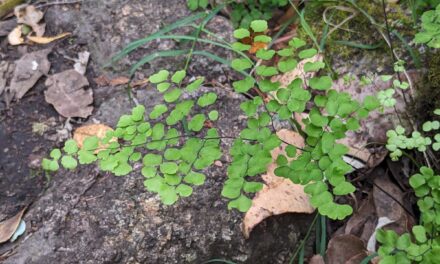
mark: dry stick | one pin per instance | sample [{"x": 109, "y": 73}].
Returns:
[{"x": 339, "y": 26}]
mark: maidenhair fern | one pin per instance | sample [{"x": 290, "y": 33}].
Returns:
[
  {"x": 319, "y": 166},
  {"x": 175, "y": 157},
  {"x": 175, "y": 146}
]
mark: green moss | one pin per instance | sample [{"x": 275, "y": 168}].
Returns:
[
  {"x": 8, "y": 5},
  {"x": 358, "y": 30},
  {"x": 428, "y": 90}
]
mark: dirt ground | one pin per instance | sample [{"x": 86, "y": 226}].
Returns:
[{"x": 86, "y": 216}]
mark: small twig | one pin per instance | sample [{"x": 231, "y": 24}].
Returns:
[
  {"x": 59, "y": 2},
  {"x": 339, "y": 26}
]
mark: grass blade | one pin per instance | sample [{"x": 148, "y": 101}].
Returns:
[
  {"x": 304, "y": 24},
  {"x": 218, "y": 59},
  {"x": 186, "y": 37},
  {"x": 159, "y": 54},
  {"x": 414, "y": 54},
  {"x": 359, "y": 45},
  {"x": 301, "y": 256},
  {"x": 306, "y": 237},
  {"x": 212, "y": 56},
  {"x": 369, "y": 258},
  {"x": 219, "y": 261},
  {"x": 197, "y": 33},
  {"x": 323, "y": 240},
  {"x": 175, "y": 53},
  {"x": 324, "y": 36}
]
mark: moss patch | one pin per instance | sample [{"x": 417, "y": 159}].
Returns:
[
  {"x": 358, "y": 30},
  {"x": 428, "y": 91}
]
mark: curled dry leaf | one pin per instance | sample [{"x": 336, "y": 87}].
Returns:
[
  {"x": 83, "y": 132},
  {"x": 139, "y": 83},
  {"x": 343, "y": 249},
  {"x": 384, "y": 204},
  {"x": 389, "y": 202},
  {"x": 104, "y": 80},
  {"x": 381, "y": 222},
  {"x": 31, "y": 16},
  {"x": 357, "y": 143},
  {"x": 28, "y": 70},
  {"x": 46, "y": 40},
  {"x": 279, "y": 195},
  {"x": 362, "y": 223},
  {"x": 119, "y": 81},
  {"x": 8, "y": 226},
  {"x": 67, "y": 94},
  {"x": 15, "y": 36},
  {"x": 317, "y": 259}
]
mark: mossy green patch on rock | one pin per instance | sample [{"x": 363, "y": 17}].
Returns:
[
  {"x": 428, "y": 90},
  {"x": 357, "y": 30}
]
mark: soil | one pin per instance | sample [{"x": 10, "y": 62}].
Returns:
[{"x": 86, "y": 216}]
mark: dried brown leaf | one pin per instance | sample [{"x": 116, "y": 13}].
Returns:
[
  {"x": 119, "y": 81},
  {"x": 341, "y": 249},
  {"x": 389, "y": 203},
  {"x": 8, "y": 226},
  {"x": 316, "y": 259},
  {"x": 356, "y": 259},
  {"x": 102, "y": 80},
  {"x": 67, "y": 94},
  {"x": 357, "y": 143},
  {"x": 362, "y": 223},
  {"x": 28, "y": 70},
  {"x": 15, "y": 36},
  {"x": 384, "y": 204},
  {"x": 83, "y": 132},
  {"x": 279, "y": 195},
  {"x": 140, "y": 82},
  {"x": 31, "y": 16},
  {"x": 46, "y": 40}
]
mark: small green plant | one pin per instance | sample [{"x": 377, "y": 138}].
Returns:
[
  {"x": 422, "y": 245},
  {"x": 244, "y": 12},
  {"x": 319, "y": 166},
  {"x": 175, "y": 150},
  {"x": 196, "y": 4},
  {"x": 174, "y": 160},
  {"x": 431, "y": 29}
]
